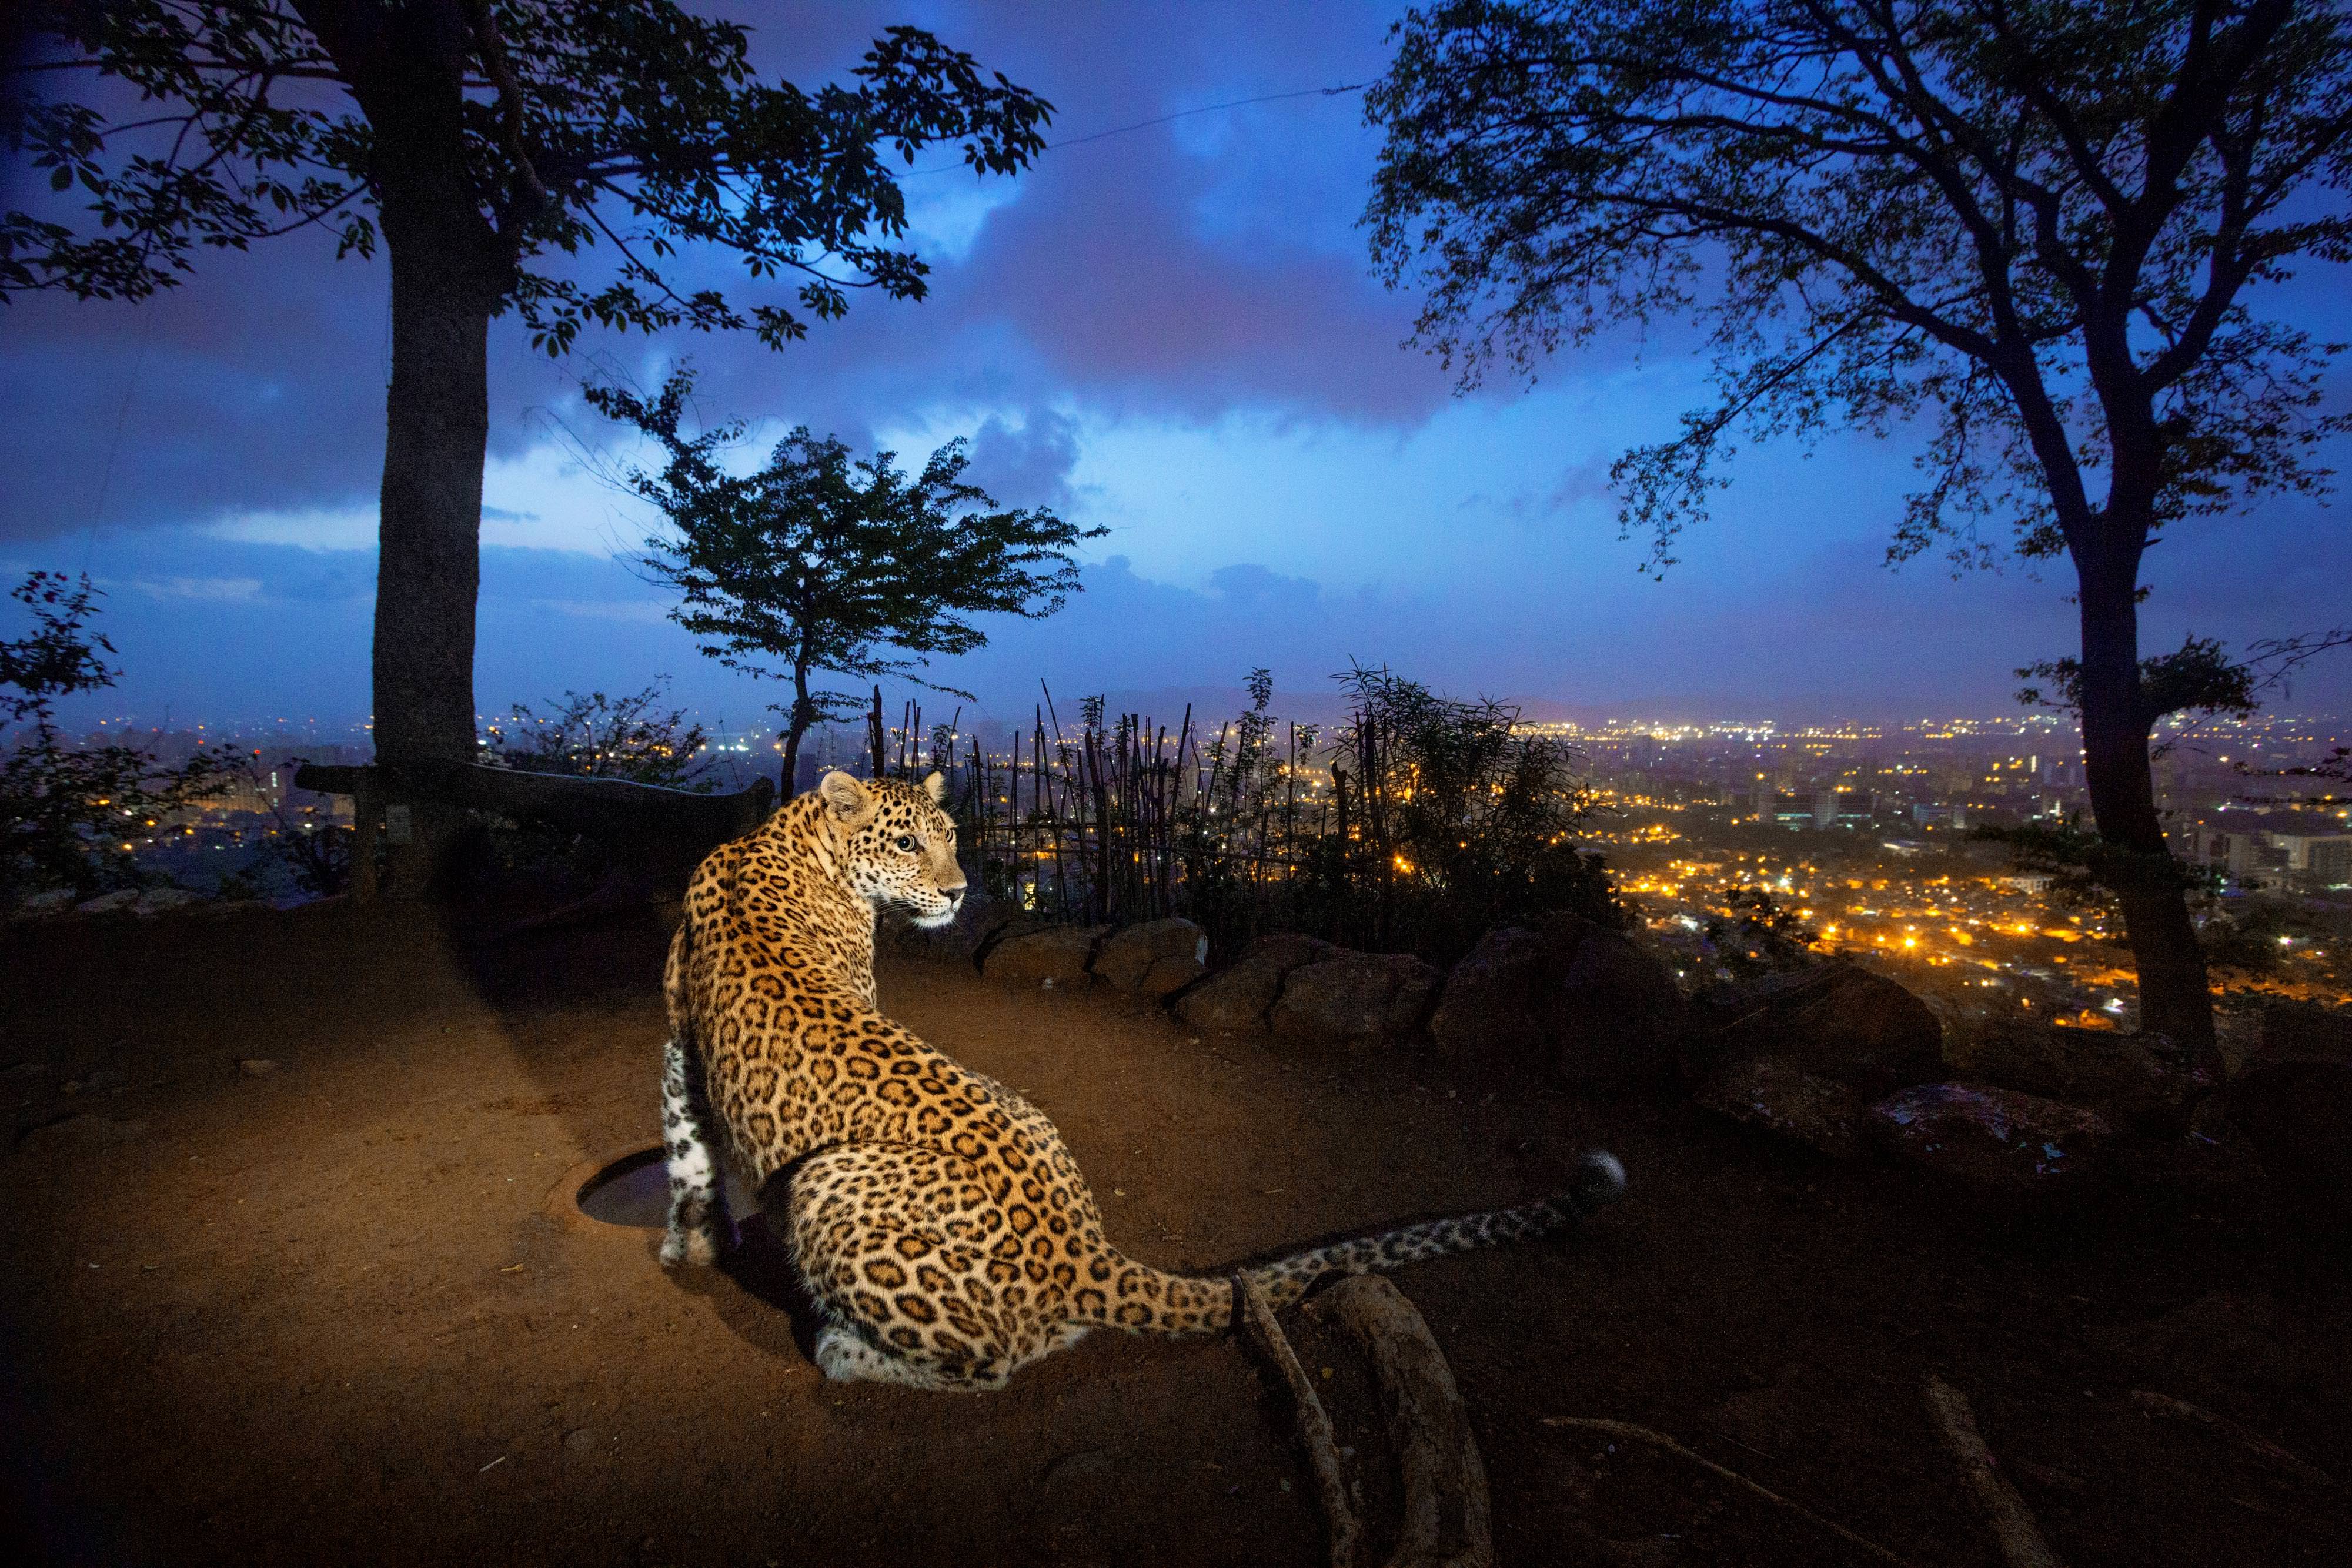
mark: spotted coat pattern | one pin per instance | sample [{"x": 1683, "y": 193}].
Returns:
[{"x": 944, "y": 1230}]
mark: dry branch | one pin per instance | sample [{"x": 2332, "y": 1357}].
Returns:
[
  {"x": 1627, "y": 1429},
  {"x": 1447, "y": 1512},
  {"x": 1314, "y": 1426},
  {"x": 2012, "y": 1524},
  {"x": 2252, "y": 1442}
]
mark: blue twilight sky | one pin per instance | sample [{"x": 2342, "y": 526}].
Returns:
[{"x": 1174, "y": 333}]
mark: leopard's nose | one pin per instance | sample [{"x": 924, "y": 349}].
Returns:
[{"x": 955, "y": 897}]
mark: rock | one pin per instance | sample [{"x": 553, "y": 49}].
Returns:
[
  {"x": 163, "y": 900},
  {"x": 1570, "y": 999},
  {"x": 1170, "y": 976},
  {"x": 1819, "y": 1113},
  {"x": 1127, "y": 955},
  {"x": 1996, "y": 1140},
  {"x": 2141, "y": 1080},
  {"x": 1620, "y": 1017},
  {"x": 1054, "y": 956},
  {"x": 46, "y": 906},
  {"x": 2239, "y": 1341},
  {"x": 113, "y": 902},
  {"x": 2213, "y": 1162},
  {"x": 1236, "y": 1000},
  {"x": 580, "y": 1439},
  {"x": 257, "y": 1067},
  {"x": 1494, "y": 1016},
  {"x": 79, "y": 1135},
  {"x": 2293, "y": 1100},
  {"x": 1835, "y": 1021},
  {"x": 1355, "y": 1000}
]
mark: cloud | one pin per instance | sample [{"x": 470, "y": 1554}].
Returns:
[{"x": 1030, "y": 466}]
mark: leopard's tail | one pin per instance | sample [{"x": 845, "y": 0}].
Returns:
[{"x": 1143, "y": 1300}]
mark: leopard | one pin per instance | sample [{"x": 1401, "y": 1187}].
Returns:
[{"x": 940, "y": 1225}]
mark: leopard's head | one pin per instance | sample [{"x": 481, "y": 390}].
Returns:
[{"x": 899, "y": 845}]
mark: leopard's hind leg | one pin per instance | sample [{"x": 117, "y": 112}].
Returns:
[{"x": 699, "y": 1226}]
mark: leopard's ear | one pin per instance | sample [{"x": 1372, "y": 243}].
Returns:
[
  {"x": 936, "y": 787},
  {"x": 848, "y": 796}
]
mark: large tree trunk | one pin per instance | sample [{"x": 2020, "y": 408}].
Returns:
[
  {"x": 436, "y": 433},
  {"x": 2173, "y": 996},
  {"x": 450, "y": 267}
]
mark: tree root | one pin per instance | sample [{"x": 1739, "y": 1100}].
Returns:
[
  {"x": 1447, "y": 1511},
  {"x": 1256, "y": 1317},
  {"x": 2252, "y": 1442},
  {"x": 2014, "y": 1528},
  {"x": 1627, "y": 1429}
]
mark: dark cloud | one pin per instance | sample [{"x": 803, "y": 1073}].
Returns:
[{"x": 1028, "y": 466}]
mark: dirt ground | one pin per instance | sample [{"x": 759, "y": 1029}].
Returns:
[{"x": 339, "y": 1310}]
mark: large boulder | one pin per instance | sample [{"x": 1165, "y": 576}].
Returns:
[
  {"x": 1236, "y": 1000},
  {"x": 2293, "y": 1100},
  {"x": 1355, "y": 1000},
  {"x": 1129, "y": 957},
  {"x": 1620, "y": 1017},
  {"x": 1835, "y": 1021},
  {"x": 1055, "y": 957},
  {"x": 2141, "y": 1080},
  {"x": 1998, "y": 1141},
  {"x": 1570, "y": 999},
  {"x": 1819, "y": 1113},
  {"x": 1496, "y": 1013}
]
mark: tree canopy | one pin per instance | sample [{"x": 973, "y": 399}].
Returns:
[
  {"x": 821, "y": 561},
  {"x": 2035, "y": 227},
  {"x": 627, "y": 125}
]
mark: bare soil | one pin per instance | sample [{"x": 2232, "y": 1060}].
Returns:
[{"x": 338, "y": 1310}]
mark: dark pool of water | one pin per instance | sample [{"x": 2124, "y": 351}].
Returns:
[{"x": 634, "y": 1190}]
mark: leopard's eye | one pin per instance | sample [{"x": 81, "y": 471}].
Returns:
[{"x": 905, "y": 842}]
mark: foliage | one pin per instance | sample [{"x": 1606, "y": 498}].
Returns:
[
  {"x": 64, "y": 809},
  {"x": 1756, "y": 935},
  {"x": 2034, "y": 226},
  {"x": 624, "y": 123},
  {"x": 631, "y": 738},
  {"x": 1457, "y": 820},
  {"x": 820, "y": 561},
  {"x": 2199, "y": 678},
  {"x": 2244, "y": 940}
]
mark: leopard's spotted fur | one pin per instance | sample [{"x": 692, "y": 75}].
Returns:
[{"x": 947, "y": 1235}]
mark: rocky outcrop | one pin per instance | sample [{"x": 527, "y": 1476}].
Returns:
[
  {"x": 1154, "y": 959},
  {"x": 1571, "y": 1001},
  {"x": 1237, "y": 1000},
  {"x": 1056, "y": 957},
  {"x": 2140, "y": 1082},
  {"x": 1834, "y": 1021},
  {"x": 1355, "y": 1001},
  {"x": 1819, "y": 1113},
  {"x": 1996, "y": 1141}
]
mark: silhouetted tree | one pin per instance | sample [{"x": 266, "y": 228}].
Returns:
[
  {"x": 476, "y": 136},
  {"x": 65, "y": 809},
  {"x": 820, "y": 563},
  {"x": 2035, "y": 225}
]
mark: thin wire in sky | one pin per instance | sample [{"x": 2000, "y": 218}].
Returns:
[{"x": 1164, "y": 118}]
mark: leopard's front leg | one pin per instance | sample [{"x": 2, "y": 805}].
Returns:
[{"x": 699, "y": 1226}]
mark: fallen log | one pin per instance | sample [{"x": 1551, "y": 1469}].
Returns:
[{"x": 1447, "y": 1511}]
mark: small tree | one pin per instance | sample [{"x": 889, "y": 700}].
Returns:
[
  {"x": 67, "y": 812},
  {"x": 476, "y": 137},
  {"x": 819, "y": 563},
  {"x": 596, "y": 736},
  {"x": 2037, "y": 226}
]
